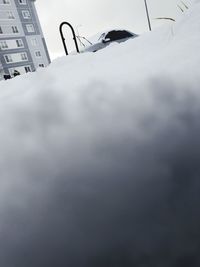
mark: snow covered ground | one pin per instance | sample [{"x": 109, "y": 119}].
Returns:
[{"x": 100, "y": 155}]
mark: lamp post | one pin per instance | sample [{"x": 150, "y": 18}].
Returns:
[{"x": 147, "y": 12}]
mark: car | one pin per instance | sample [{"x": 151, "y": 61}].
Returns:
[{"x": 106, "y": 38}]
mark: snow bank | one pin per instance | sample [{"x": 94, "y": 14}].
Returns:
[{"x": 99, "y": 160}]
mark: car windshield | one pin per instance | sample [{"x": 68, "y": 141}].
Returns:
[
  {"x": 117, "y": 35},
  {"x": 102, "y": 35}
]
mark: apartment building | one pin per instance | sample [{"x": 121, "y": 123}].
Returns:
[{"x": 22, "y": 44}]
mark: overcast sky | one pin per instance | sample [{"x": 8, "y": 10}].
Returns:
[{"x": 92, "y": 16}]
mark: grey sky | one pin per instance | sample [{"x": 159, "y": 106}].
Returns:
[{"x": 91, "y": 16}]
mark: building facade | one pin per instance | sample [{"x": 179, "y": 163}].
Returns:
[{"x": 22, "y": 44}]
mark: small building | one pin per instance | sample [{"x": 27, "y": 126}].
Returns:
[{"x": 22, "y": 44}]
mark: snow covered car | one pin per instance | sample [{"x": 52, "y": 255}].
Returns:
[{"x": 106, "y": 38}]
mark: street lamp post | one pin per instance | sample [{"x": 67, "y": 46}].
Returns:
[{"x": 147, "y": 12}]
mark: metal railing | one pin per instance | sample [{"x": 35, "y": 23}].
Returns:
[{"x": 63, "y": 38}]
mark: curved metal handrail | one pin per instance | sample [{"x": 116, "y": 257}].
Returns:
[{"x": 63, "y": 38}]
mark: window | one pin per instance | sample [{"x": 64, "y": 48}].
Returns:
[
  {"x": 38, "y": 54},
  {"x": 10, "y": 15},
  {"x": 30, "y": 28},
  {"x": 6, "y": 14},
  {"x": 34, "y": 42},
  {"x": 22, "y": 2},
  {"x": 24, "y": 56},
  {"x": 8, "y": 58},
  {"x": 5, "y": 2},
  {"x": 15, "y": 29},
  {"x": 3, "y": 45},
  {"x": 27, "y": 69},
  {"x": 26, "y": 14},
  {"x": 19, "y": 43},
  {"x": 1, "y": 31}
]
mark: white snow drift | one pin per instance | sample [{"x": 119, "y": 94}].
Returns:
[{"x": 99, "y": 160}]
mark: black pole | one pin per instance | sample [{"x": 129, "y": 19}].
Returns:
[
  {"x": 63, "y": 38},
  {"x": 148, "y": 18}
]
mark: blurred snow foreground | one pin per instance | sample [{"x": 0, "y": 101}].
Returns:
[{"x": 100, "y": 155}]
